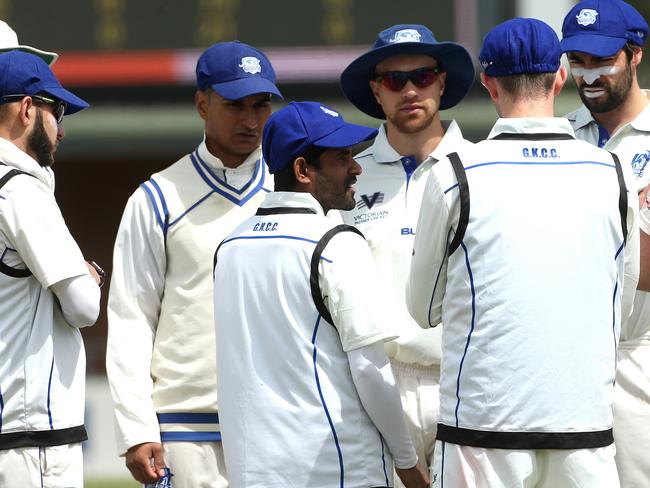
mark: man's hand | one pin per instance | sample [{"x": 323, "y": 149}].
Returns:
[
  {"x": 414, "y": 477},
  {"x": 145, "y": 461},
  {"x": 96, "y": 272}
]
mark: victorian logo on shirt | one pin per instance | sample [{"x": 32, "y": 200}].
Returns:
[
  {"x": 369, "y": 201},
  {"x": 639, "y": 162},
  {"x": 250, "y": 64}
]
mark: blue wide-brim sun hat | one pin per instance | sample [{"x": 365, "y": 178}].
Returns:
[{"x": 452, "y": 58}]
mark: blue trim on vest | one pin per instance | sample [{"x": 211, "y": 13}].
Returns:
[
  {"x": 188, "y": 418},
  {"x": 190, "y": 436},
  {"x": 228, "y": 196},
  {"x": 435, "y": 284},
  {"x": 383, "y": 459},
  {"x": 199, "y": 202},
  {"x": 540, "y": 163},
  {"x": 4, "y": 198},
  {"x": 469, "y": 336},
  {"x": 293, "y": 238},
  {"x": 327, "y": 414},
  {"x": 155, "y": 206},
  {"x": 164, "y": 206},
  {"x": 225, "y": 183},
  {"x": 49, "y": 389}
]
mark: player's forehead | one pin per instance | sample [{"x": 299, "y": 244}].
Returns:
[
  {"x": 581, "y": 57},
  {"x": 406, "y": 62}
]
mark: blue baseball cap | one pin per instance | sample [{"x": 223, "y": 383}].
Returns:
[
  {"x": 520, "y": 46},
  {"x": 290, "y": 131},
  {"x": 235, "y": 70},
  {"x": 602, "y": 27},
  {"x": 27, "y": 74},
  {"x": 452, "y": 58}
]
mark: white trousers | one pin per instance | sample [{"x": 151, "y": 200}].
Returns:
[
  {"x": 419, "y": 388},
  {"x": 196, "y": 464},
  {"x": 42, "y": 467},
  {"x": 632, "y": 414},
  {"x": 458, "y": 466}
]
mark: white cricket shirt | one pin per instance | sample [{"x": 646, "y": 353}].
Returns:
[{"x": 531, "y": 299}]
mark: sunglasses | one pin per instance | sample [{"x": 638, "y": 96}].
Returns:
[
  {"x": 396, "y": 80},
  {"x": 59, "y": 106}
]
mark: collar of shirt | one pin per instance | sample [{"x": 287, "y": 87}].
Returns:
[
  {"x": 383, "y": 152},
  {"x": 11, "y": 155},
  {"x": 292, "y": 200},
  {"x": 215, "y": 163},
  {"x": 531, "y": 125}
]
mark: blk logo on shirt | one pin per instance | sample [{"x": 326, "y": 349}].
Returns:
[{"x": 369, "y": 201}]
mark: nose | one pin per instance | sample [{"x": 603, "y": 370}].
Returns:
[
  {"x": 250, "y": 119},
  {"x": 60, "y": 131},
  {"x": 355, "y": 168}
]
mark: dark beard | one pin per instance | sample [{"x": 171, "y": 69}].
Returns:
[
  {"x": 39, "y": 143},
  {"x": 614, "y": 95}
]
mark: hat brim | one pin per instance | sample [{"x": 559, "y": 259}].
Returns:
[
  {"x": 595, "y": 45},
  {"x": 46, "y": 56},
  {"x": 74, "y": 103},
  {"x": 237, "y": 89},
  {"x": 452, "y": 58},
  {"x": 347, "y": 135}
]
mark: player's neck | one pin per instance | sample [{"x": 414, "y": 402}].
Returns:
[
  {"x": 625, "y": 113},
  {"x": 419, "y": 144}
]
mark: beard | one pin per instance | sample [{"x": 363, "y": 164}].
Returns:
[
  {"x": 40, "y": 144},
  {"x": 332, "y": 195},
  {"x": 411, "y": 125},
  {"x": 615, "y": 93}
]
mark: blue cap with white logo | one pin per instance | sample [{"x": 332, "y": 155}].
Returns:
[
  {"x": 452, "y": 58},
  {"x": 235, "y": 70},
  {"x": 290, "y": 131},
  {"x": 602, "y": 27},
  {"x": 520, "y": 46},
  {"x": 22, "y": 73}
]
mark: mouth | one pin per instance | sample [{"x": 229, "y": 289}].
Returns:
[
  {"x": 411, "y": 108},
  {"x": 593, "y": 92}
]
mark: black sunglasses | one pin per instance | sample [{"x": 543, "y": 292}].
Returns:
[
  {"x": 396, "y": 80},
  {"x": 59, "y": 106}
]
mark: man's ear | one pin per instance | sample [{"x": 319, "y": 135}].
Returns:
[
  {"x": 490, "y": 85},
  {"x": 302, "y": 171},
  {"x": 202, "y": 100},
  {"x": 26, "y": 111},
  {"x": 560, "y": 79},
  {"x": 443, "y": 80},
  {"x": 374, "y": 87}
]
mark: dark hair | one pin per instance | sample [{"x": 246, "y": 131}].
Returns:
[
  {"x": 285, "y": 179},
  {"x": 527, "y": 85}
]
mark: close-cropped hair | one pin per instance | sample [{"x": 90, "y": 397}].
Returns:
[
  {"x": 285, "y": 179},
  {"x": 527, "y": 85}
]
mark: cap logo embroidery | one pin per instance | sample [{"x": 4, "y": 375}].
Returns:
[
  {"x": 251, "y": 65},
  {"x": 485, "y": 64},
  {"x": 406, "y": 35},
  {"x": 329, "y": 112},
  {"x": 587, "y": 16}
]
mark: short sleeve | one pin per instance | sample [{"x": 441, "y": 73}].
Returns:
[
  {"x": 349, "y": 279},
  {"x": 32, "y": 222}
]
